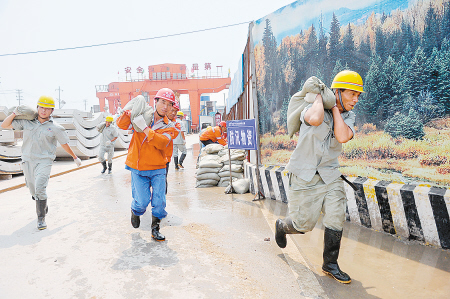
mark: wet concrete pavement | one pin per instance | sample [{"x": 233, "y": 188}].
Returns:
[{"x": 217, "y": 247}]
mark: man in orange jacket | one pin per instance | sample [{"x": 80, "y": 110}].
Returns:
[
  {"x": 214, "y": 134},
  {"x": 147, "y": 160}
]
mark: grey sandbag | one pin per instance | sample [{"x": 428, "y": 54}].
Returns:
[
  {"x": 234, "y": 168},
  {"x": 26, "y": 112},
  {"x": 208, "y": 176},
  {"x": 209, "y": 164},
  {"x": 101, "y": 126},
  {"x": 238, "y": 175},
  {"x": 138, "y": 106},
  {"x": 206, "y": 183},
  {"x": 213, "y": 148},
  {"x": 208, "y": 170},
  {"x": 240, "y": 186},
  {"x": 297, "y": 102}
]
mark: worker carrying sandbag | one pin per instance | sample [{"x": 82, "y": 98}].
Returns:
[
  {"x": 179, "y": 144},
  {"x": 315, "y": 183},
  {"x": 40, "y": 137},
  {"x": 109, "y": 135},
  {"x": 147, "y": 160},
  {"x": 214, "y": 134}
]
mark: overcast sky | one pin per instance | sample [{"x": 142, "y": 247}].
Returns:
[{"x": 27, "y": 26}]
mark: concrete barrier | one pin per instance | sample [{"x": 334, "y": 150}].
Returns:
[{"x": 408, "y": 211}]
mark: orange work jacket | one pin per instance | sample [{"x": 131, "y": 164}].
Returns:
[
  {"x": 148, "y": 153},
  {"x": 214, "y": 134},
  {"x": 169, "y": 151}
]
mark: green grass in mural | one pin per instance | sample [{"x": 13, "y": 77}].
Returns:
[{"x": 375, "y": 154}]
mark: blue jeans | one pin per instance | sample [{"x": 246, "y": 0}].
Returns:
[{"x": 141, "y": 182}]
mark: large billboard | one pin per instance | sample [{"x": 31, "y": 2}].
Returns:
[{"x": 401, "y": 49}]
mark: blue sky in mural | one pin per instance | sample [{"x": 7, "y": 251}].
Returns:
[{"x": 308, "y": 12}]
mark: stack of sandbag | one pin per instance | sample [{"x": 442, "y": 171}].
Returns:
[
  {"x": 237, "y": 166},
  {"x": 209, "y": 166},
  {"x": 138, "y": 106}
]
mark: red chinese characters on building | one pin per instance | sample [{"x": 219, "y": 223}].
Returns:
[
  {"x": 128, "y": 70},
  {"x": 194, "y": 67},
  {"x": 140, "y": 70},
  {"x": 207, "y": 66}
]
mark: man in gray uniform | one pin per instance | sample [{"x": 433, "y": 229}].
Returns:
[
  {"x": 109, "y": 136},
  {"x": 40, "y": 137},
  {"x": 179, "y": 143},
  {"x": 315, "y": 183}
]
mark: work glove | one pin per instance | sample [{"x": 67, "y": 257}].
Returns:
[
  {"x": 108, "y": 143},
  {"x": 140, "y": 122},
  {"x": 16, "y": 111},
  {"x": 77, "y": 161}
]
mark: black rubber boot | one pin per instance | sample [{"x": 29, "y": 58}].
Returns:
[
  {"x": 332, "y": 244},
  {"x": 283, "y": 227},
  {"x": 155, "y": 230},
  {"x": 109, "y": 168},
  {"x": 135, "y": 220},
  {"x": 41, "y": 206},
  {"x": 104, "y": 166},
  {"x": 181, "y": 160},
  {"x": 175, "y": 160}
]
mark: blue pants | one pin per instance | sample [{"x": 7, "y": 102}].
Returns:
[{"x": 141, "y": 182}]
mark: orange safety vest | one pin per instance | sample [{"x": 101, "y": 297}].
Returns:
[
  {"x": 148, "y": 153},
  {"x": 214, "y": 134}
]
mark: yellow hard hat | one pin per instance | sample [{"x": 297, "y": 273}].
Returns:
[
  {"x": 348, "y": 80},
  {"x": 180, "y": 113},
  {"x": 109, "y": 118},
  {"x": 46, "y": 102}
]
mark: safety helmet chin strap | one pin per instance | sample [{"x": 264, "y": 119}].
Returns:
[
  {"x": 162, "y": 116},
  {"x": 340, "y": 100}
]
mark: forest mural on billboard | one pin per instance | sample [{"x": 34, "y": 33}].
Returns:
[{"x": 401, "y": 49}]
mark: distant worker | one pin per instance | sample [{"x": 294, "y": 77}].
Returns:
[
  {"x": 179, "y": 144},
  {"x": 316, "y": 185},
  {"x": 107, "y": 141},
  {"x": 40, "y": 137},
  {"x": 172, "y": 116},
  {"x": 214, "y": 134},
  {"x": 147, "y": 160}
]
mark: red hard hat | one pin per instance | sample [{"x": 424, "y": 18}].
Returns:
[
  {"x": 223, "y": 124},
  {"x": 166, "y": 94},
  {"x": 176, "y": 105}
]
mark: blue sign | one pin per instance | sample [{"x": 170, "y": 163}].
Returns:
[{"x": 241, "y": 134}]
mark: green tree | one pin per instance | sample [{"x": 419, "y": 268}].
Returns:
[{"x": 334, "y": 45}]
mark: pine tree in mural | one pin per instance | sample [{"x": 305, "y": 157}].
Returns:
[
  {"x": 334, "y": 46},
  {"x": 348, "y": 49},
  {"x": 311, "y": 53},
  {"x": 431, "y": 33}
]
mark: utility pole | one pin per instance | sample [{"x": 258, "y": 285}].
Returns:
[
  {"x": 85, "y": 102},
  {"x": 18, "y": 95},
  {"x": 59, "y": 96}
]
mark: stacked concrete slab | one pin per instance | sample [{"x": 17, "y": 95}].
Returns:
[
  {"x": 84, "y": 136},
  {"x": 10, "y": 151}
]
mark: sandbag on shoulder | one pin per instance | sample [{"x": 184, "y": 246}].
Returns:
[
  {"x": 101, "y": 127},
  {"x": 138, "y": 106},
  {"x": 25, "y": 111},
  {"x": 297, "y": 102}
]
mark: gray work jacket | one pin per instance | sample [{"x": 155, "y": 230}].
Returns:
[
  {"x": 317, "y": 148},
  {"x": 109, "y": 133},
  {"x": 40, "y": 140}
]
